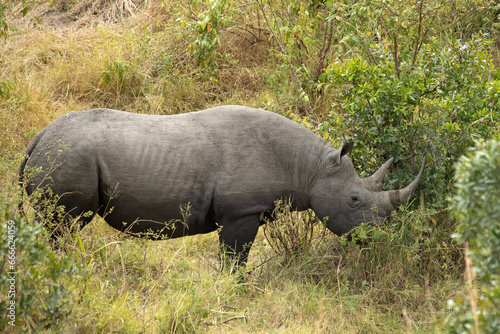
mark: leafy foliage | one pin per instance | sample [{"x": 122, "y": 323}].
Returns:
[
  {"x": 6, "y": 7},
  {"x": 36, "y": 271},
  {"x": 4, "y": 27},
  {"x": 476, "y": 205},
  {"x": 5, "y": 89},
  {"x": 206, "y": 29},
  {"x": 402, "y": 91},
  {"x": 435, "y": 108}
]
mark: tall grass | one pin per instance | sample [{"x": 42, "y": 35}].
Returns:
[{"x": 134, "y": 285}]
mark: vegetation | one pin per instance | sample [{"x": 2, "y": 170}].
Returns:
[
  {"x": 41, "y": 297},
  {"x": 401, "y": 78},
  {"x": 475, "y": 205}
]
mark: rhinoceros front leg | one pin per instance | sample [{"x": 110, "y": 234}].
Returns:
[{"x": 236, "y": 237}]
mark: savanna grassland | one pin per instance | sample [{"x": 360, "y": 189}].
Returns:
[{"x": 403, "y": 79}]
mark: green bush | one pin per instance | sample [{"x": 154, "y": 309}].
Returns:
[
  {"x": 206, "y": 29},
  {"x": 476, "y": 205},
  {"x": 31, "y": 276},
  {"x": 437, "y": 108},
  {"x": 404, "y": 92}
]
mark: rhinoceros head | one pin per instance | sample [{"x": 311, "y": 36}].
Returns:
[{"x": 346, "y": 199}]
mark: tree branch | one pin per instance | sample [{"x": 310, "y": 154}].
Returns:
[{"x": 325, "y": 48}]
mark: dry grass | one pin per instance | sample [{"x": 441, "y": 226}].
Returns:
[{"x": 136, "y": 62}]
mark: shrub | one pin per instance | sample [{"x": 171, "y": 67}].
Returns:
[
  {"x": 31, "y": 276},
  {"x": 291, "y": 233},
  {"x": 414, "y": 244},
  {"x": 476, "y": 205},
  {"x": 405, "y": 93},
  {"x": 207, "y": 29}
]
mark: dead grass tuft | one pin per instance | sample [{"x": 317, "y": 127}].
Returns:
[{"x": 63, "y": 13}]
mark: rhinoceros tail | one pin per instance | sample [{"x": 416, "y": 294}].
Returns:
[{"x": 21, "y": 180}]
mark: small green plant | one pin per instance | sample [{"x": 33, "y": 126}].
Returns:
[
  {"x": 4, "y": 27},
  {"x": 6, "y": 7},
  {"x": 5, "y": 89},
  {"x": 31, "y": 276},
  {"x": 121, "y": 79},
  {"x": 207, "y": 29},
  {"x": 476, "y": 205},
  {"x": 116, "y": 72}
]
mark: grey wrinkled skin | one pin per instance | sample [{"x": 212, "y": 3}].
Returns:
[{"x": 226, "y": 165}]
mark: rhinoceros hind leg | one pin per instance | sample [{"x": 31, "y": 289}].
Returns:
[{"x": 73, "y": 212}]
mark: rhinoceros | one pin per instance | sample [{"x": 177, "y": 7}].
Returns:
[{"x": 168, "y": 176}]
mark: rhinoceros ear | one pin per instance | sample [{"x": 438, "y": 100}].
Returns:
[
  {"x": 346, "y": 147},
  {"x": 334, "y": 158}
]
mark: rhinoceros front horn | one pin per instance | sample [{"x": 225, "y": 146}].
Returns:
[{"x": 401, "y": 196}]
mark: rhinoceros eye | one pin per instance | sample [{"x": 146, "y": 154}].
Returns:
[{"x": 353, "y": 200}]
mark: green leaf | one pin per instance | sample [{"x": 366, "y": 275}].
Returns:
[{"x": 25, "y": 10}]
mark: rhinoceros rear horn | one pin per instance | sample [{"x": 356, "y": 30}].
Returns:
[
  {"x": 400, "y": 196},
  {"x": 374, "y": 182}
]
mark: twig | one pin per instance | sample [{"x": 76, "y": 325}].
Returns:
[
  {"x": 226, "y": 321},
  {"x": 374, "y": 117},
  {"x": 429, "y": 91},
  {"x": 413, "y": 155},
  {"x": 245, "y": 4},
  {"x": 12, "y": 132},
  {"x": 417, "y": 46}
]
